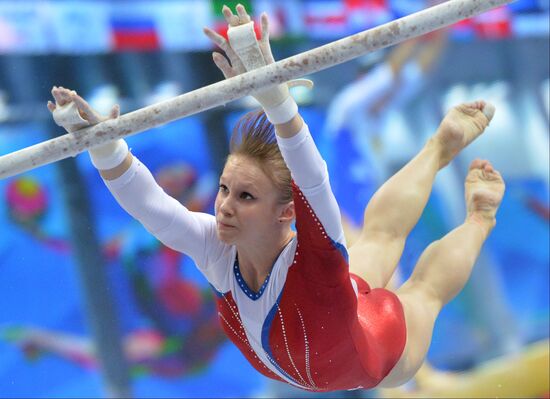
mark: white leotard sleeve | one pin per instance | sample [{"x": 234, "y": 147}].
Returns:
[
  {"x": 309, "y": 171},
  {"x": 357, "y": 97},
  {"x": 411, "y": 82},
  {"x": 192, "y": 233}
]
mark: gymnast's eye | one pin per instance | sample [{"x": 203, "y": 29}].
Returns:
[
  {"x": 223, "y": 188},
  {"x": 247, "y": 196}
]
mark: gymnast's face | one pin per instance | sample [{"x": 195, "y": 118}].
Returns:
[{"x": 247, "y": 206}]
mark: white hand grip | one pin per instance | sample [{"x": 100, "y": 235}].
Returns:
[
  {"x": 242, "y": 39},
  {"x": 68, "y": 117}
]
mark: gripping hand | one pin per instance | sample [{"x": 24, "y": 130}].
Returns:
[
  {"x": 73, "y": 113},
  {"x": 246, "y": 53}
]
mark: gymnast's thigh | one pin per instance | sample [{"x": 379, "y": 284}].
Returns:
[
  {"x": 420, "y": 314},
  {"x": 374, "y": 260}
]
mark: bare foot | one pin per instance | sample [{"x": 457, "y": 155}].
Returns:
[
  {"x": 484, "y": 191},
  {"x": 462, "y": 125}
]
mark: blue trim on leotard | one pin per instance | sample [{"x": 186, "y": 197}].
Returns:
[
  {"x": 244, "y": 287},
  {"x": 265, "y": 339}
]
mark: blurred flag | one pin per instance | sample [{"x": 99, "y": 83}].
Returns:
[
  {"x": 366, "y": 14},
  {"x": 325, "y": 19},
  {"x": 494, "y": 24},
  {"x": 134, "y": 29}
]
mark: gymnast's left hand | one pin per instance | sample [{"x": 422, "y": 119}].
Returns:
[
  {"x": 73, "y": 113},
  {"x": 90, "y": 116}
]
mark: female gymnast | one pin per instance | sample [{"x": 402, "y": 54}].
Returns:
[{"x": 299, "y": 306}]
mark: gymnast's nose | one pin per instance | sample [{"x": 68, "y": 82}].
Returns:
[{"x": 226, "y": 206}]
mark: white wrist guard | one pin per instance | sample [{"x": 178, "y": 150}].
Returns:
[
  {"x": 105, "y": 156},
  {"x": 110, "y": 155},
  {"x": 283, "y": 112},
  {"x": 277, "y": 102}
]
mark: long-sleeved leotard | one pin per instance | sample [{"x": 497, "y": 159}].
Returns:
[{"x": 312, "y": 324}]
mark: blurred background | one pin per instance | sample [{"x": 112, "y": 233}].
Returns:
[{"x": 91, "y": 305}]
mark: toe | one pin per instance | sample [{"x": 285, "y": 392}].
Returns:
[
  {"x": 484, "y": 164},
  {"x": 476, "y": 164},
  {"x": 488, "y": 167},
  {"x": 479, "y": 104},
  {"x": 489, "y": 111}
]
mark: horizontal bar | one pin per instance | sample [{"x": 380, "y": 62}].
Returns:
[{"x": 220, "y": 93}]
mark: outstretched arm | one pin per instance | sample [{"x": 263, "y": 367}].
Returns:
[
  {"x": 133, "y": 185},
  {"x": 302, "y": 157}
]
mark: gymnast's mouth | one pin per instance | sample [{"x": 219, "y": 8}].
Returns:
[{"x": 222, "y": 225}]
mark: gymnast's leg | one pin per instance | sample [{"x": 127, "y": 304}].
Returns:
[
  {"x": 444, "y": 268},
  {"x": 396, "y": 207}
]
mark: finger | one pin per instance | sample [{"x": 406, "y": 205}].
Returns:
[
  {"x": 55, "y": 94},
  {"x": 67, "y": 94},
  {"x": 51, "y": 106},
  {"x": 236, "y": 62},
  {"x": 86, "y": 111},
  {"x": 243, "y": 15},
  {"x": 59, "y": 96},
  {"x": 115, "y": 112},
  {"x": 216, "y": 38},
  {"x": 224, "y": 45},
  {"x": 230, "y": 18},
  {"x": 222, "y": 63},
  {"x": 264, "y": 23},
  {"x": 64, "y": 96},
  {"x": 265, "y": 46}
]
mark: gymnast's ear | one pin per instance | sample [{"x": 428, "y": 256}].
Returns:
[{"x": 287, "y": 212}]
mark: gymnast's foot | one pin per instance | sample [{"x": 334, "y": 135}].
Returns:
[
  {"x": 462, "y": 125},
  {"x": 484, "y": 191}
]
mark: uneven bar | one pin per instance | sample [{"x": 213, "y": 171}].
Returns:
[{"x": 205, "y": 98}]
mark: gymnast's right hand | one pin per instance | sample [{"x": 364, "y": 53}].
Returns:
[
  {"x": 73, "y": 113},
  {"x": 244, "y": 52}
]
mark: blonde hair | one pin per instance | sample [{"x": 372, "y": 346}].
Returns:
[{"x": 254, "y": 138}]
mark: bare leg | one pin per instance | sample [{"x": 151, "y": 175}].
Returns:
[
  {"x": 444, "y": 268},
  {"x": 396, "y": 207}
]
